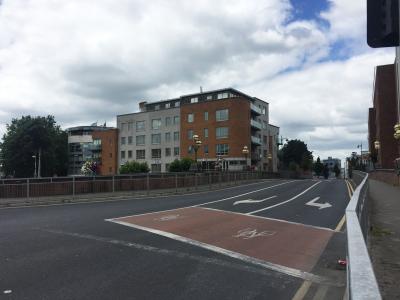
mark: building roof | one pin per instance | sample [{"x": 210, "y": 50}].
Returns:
[{"x": 88, "y": 128}]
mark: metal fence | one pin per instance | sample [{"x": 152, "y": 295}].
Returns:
[
  {"x": 77, "y": 185},
  {"x": 361, "y": 281}
]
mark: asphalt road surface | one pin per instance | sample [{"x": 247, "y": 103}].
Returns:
[{"x": 276, "y": 239}]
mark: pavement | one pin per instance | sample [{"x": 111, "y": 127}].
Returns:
[
  {"x": 384, "y": 238},
  {"x": 275, "y": 239}
]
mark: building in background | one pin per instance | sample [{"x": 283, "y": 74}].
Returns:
[
  {"x": 383, "y": 117},
  {"x": 97, "y": 143},
  {"x": 331, "y": 162},
  {"x": 225, "y": 121}
]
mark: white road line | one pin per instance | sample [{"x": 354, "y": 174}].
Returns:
[
  {"x": 284, "y": 202},
  {"x": 197, "y": 205},
  {"x": 268, "y": 218},
  {"x": 271, "y": 266},
  {"x": 250, "y": 201}
]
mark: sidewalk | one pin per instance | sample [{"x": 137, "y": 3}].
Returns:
[{"x": 384, "y": 238}]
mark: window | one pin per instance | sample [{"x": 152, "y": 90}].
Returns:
[
  {"x": 221, "y": 132},
  {"x": 130, "y": 126},
  {"x": 140, "y": 140},
  {"x": 176, "y": 136},
  {"x": 123, "y": 125},
  {"x": 157, "y": 107},
  {"x": 155, "y": 153},
  {"x": 130, "y": 138},
  {"x": 194, "y": 100},
  {"x": 155, "y": 168},
  {"x": 223, "y": 95},
  {"x": 167, "y": 152},
  {"x": 140, "y": 126},
  {"x": 264, "y": 125},
  {"x": 167, "y": 105},
  {"x": 265, "y": 138},
  {"x": 176, "y": 151},
  {"x": 156, "y": 139},
  {"x": 123, "y": 140},
  {"x": 222, "y": 115},
  {"x": 177, "y": 104},
  {"x": 222, "y": 149},
  {"x": 168, "y": 121},
  {"x": 190, "y": 118},
  {"x": 264, "y": 110},
  {"x": 190, "y": 149},
  {"x": 205, "y": 132},
  {"x": 209, "y": 97},
  {"x": 205, "y": 147},
  {"x": 167, "y": 137},
  {"x": 176, "y": 120},
  {"x": 140, "y": 154},
  {"x": 129, "y": 153},
  {"x": 156, "y": 124},
  {"x": 122, "y": 154},
  {"x": 206, "y": 116},
  {"x": 97, "y": 142},
  {"x": 190, "y": 134}
]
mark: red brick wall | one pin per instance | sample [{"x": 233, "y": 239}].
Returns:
[{"x": 109, "y": 148}]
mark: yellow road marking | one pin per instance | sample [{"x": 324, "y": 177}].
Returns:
[
  {"x": 343, "y": 219},
  {"x": 302, "y": 291}
]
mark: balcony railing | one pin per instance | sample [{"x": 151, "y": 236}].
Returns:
[
  {"x": 255, "y": 140},
  {"x": 255, "y": 124},
  {"x": 255, "y": 109}
]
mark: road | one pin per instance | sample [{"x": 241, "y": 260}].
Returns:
[{"x": 276, "y": 239}]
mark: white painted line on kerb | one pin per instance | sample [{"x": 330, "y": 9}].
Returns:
[{"x": 284, "y": 202}]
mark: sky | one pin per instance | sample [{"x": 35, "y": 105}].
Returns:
[{"x": 85, "y": 61}]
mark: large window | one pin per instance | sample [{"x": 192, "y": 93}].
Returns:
[
  {"x": 155, "y": 153},
  {"x": 176, "y": 136},
  {"x": 140, "y": 140},
  {"x": 156, "y": 124},
  {"x": 140, "y": 126},
  {"x": 130, "y": 126},
  {"x": 130, "y": 138},
  {"x": 123, "y": 126},
  {"x": 222, "y": 149},
  {"x": 123, "y": 140},
  {"x": 140, "y": 154},
  {"x": 155, "y": 168},
  {"x": 123, "y": 154},
  {"x": 194, "y": 100},
  {"x": 167, "y": 121},
  {"x": 190, "y": 118},
  {"x": 206, "y": 116},
  {"x": 167, "y": 137},
  {"x": 176, "y": 120},
  {"x": 167, "y": 152},
  {"x": 205, "y": 132},
  {"x": 205, "y": 148},
  {"x": 176, "y": 151},
  {"x": 156, "y": 139},
  {"x": 221, "y": 132},
  {"x": 223, "y": 95},
  {"x": 177, "y": 104},
  {"x": 129, "y": 153},
  {"x": 222, "y": 115},
  {"x": 190, "y": 134}
]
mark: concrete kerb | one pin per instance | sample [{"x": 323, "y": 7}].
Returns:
[{"x": 118, "y": 196}]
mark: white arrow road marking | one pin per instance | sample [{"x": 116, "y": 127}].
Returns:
[
  {"x": 319, "y": 205},
  {"x": 252, "y": 201}
]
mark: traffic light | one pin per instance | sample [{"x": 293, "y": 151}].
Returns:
[{"x": 383, "y": 23}]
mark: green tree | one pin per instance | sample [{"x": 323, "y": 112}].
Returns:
[
  {"x": 132, "y": 167},
  {"x": 28, "y": 136},
  {"x": 182, "y": 165},
  {"x": 336, "y": 170},
  {"x": 296, "y": 151},
  {"x": 318, "y": 167}
]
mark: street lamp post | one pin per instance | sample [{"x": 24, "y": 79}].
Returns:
[
  {"x": 196, "y": 147},
  {"x": 269, "y": 156},
  {"x": 245, "y": 151},
  {"x": 361, "y": 156},
  {"x": 34, "y": 172},
  {"x": 377, "y": 146}
]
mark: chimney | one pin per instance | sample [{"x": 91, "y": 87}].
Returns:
[{"x": 142, "y": 106}]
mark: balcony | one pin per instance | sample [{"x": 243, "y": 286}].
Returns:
[
  {"x": 255, "y": 140},
  {"x": 255, "y": 109},
  {"x": 94, "y": 147},
  {"x": 255, "y": 124}
]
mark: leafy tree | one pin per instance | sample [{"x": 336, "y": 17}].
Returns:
[
  {"x": 296, "y": 151},
  {"x": 28, "y": 136},
  {"x": 182, "y": 165},
  {"x": 336, "y": 170},
  {"x": 318, "y": 167},
  {"x": 90, "y": 167},
  {"x": 132, "y": 167}
]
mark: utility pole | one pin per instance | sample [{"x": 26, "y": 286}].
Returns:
[{"x": 40, "y": 163}]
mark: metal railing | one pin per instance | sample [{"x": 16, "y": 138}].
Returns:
[
  {"x": 29, "y": 188},
  {"x": 361, "y": 280}
]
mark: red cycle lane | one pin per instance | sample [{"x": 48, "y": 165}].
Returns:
[{"x": 291, "y": 245}]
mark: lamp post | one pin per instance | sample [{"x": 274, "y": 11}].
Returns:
[
  {"x": 196, "y": 145},
  {"x": 377, "y": 146},
  {"x": 245, "y": 151},
  {"x": 360, "y": 146},
  {"x": 269, "y": 156},
  {"x": 397, "y": 131},
  {"x": 34, "y": 172}
]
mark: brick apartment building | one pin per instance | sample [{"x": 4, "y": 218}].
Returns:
[
  {"x": 225, "y": 121},
  {"x": 383, "y": 116},
  {"x": 98, "y": 143}
]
